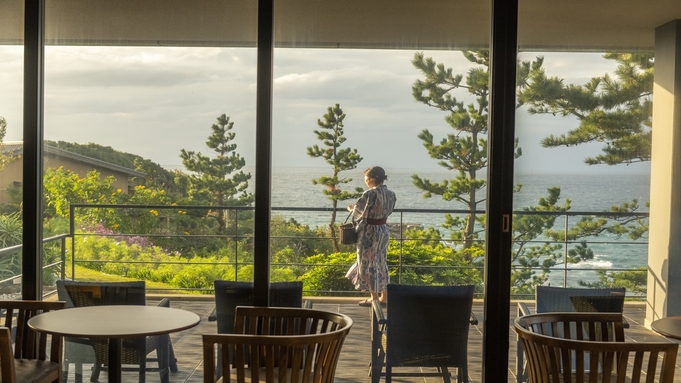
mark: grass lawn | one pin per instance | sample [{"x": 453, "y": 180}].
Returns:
[{"x": 88, "y": 275}]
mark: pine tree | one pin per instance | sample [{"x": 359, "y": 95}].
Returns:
[
  {"x": 465, "y": 150},
  {"x": 332, "y": 136},
  {"x": 616, "y": 111},
  {"x": 218, "y": 181}
]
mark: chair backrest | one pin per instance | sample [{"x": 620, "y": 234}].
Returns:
[
  {"x": 30, "y": 344},
  {"x": 568, "y": 360},
  {"x": 229, "y": 295},
  {"x": 428, "y": 325},
  {"x": 316, "y": 351},
  {"x": 603, "y": 327},
  {"x": 81, "y": 294},
  {"x": 561, "y": 299},
  {"x": 286, "y": 321}
]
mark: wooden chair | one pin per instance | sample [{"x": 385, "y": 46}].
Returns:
[
  {"x": 275, "y": 344},
  {"x": 230, "y": 294},
  {"x": 427, "y": 326},
  {"x": 81, "y": 351},
  {"x": 588, "y": 350},
  {"x": 562, "y": 299},
  {"x": 30, "y": 361}
]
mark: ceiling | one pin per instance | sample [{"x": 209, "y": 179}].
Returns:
[{"x": 544, "y": 25}]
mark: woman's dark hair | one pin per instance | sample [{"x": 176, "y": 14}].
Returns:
[{"x": 376, "y": 173}]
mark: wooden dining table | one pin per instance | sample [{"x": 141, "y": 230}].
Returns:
[{"x": 114, "y": 323}]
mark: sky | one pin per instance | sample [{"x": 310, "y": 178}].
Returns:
[{"x": 156, "y": 101}]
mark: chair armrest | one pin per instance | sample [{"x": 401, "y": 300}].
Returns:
[
  {"x": 165, "y": 302},
  {"x": 473, "y": 320},
  {"x": 379, "y": 312},
  {"x": 523, "y": 309},
  {"x": 520, "y": 370},
  {"x": 378, "y": 338}
]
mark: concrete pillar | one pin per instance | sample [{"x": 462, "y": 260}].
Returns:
[{"x": 664, "y": 250}]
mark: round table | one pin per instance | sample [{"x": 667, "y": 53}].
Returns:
[
  {"x": 114, "y": 323},
  {"x": 669, "y": 327}
]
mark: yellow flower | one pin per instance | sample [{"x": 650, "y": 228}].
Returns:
[{"x": 154, "y": 212}]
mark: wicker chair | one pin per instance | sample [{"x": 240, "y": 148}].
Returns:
[
  {"x": 80, "y": 351},
  {"x": 29, "y": 362},
  {"x": 275, "y": 344},
  {"x": 581, "y": 347},
  {"x": 561, "y": 299},
  {"x": 427, "y": 326}
]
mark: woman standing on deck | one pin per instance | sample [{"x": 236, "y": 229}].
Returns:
[{"x": 371, "y": 211}]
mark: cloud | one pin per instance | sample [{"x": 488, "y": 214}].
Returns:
[{"x": 155, "y": 101}]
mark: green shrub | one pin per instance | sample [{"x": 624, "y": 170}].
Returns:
[
  {"x": 329, "y": 274},
  {"x": 153, "y": 264},
  {"x": 422, "y": 264}
]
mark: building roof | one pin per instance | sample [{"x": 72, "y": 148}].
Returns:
[{"x": 17, "y": 147}]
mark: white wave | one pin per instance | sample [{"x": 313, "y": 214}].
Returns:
[{"x": 593, "y": 263}]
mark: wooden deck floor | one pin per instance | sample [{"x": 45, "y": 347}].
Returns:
[{"x": 353, "y": 365}]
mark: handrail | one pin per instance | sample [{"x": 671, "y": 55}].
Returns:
[{"x": 62, "y": 260}]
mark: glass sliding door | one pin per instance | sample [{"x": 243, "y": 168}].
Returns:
[
  {"x": 150, "y": 140},
  {"x": 11, "y": 133},
  {"x": 359, "y": 85},
  {"x": 580, "y": 182},
  {"x": 584, "y": 124}
]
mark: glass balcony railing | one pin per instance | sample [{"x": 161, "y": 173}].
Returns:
[{"x": 183, "y": 249}]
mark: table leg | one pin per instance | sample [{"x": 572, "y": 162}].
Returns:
[
  {"x": 115, "y": 347},
  {"x": 163, "y": 355}
]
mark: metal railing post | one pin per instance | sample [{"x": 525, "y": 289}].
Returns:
[
  {"x": 565, "y": 252},
  {"x": 72, "y": 229},
  {"x": 399, "y": 270},
  {"x": 63, "y": 258},
  {"x": 236, "y": 246}
]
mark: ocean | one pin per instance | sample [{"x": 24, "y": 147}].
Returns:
[{"x": 588, "y": 192}]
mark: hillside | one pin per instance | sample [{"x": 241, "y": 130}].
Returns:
[
  {"x": 156, "y": 175},
  {"x": 104, "y": 153}
]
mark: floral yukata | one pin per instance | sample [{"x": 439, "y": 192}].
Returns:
[{"x": 371, "y": 271}]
